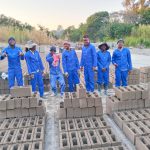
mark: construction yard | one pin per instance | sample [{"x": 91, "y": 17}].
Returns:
[{"x": 120, "y": 121}]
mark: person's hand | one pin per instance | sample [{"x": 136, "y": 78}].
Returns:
[
  {"x": 81, "y": 68},
  {"x": 116, "y": 65},
  {"x": 4, "y": 55},
  {"x": 103, "y": 69},
  {"x": 31, "y": 76},
  {"x": 21, "y": 54},
  {"x": 129, "y": 72},
  {"x": 66, "y": 74},
  {"x": 94, "y": 68}
]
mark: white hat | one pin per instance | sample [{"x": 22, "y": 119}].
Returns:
[{"x": 30, "y": 44}]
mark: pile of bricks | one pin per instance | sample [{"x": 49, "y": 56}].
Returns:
[
  {"x": 25, "y": 124},
  {"x": 80, "y": 104},
  {"x": 126, "y": 98},
  {"x": 87, "y": 133},
  {"x": 4, "y": 89},
  {"x": 133, "y": 78},
  {"x": 145, "y": 74},
  {"x": 21, "y": 103},
  {"x": 136, "y": 126}
]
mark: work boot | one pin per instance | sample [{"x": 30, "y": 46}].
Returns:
[
  {"x": 105, "y": 90},
  {"x": 99, "y": 89}
]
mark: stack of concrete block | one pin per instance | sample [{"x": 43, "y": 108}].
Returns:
[
  {"x": 126, "y": 98},
  {"x": 135, "y": 125},
  {"x": 21, "y": 103},
  {"x": 133, "y": 78},
  {"x": 22, "y": 133},
  {"x": 4, "y": 89},
  {"x": 87, "y": 133},
  {"x": 145, "y": 74},
  {"x": 80, "y": 104}
]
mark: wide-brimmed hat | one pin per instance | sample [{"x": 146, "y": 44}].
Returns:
[
  {"x": 120, "y": 40},
  {"x": 53, "y": 48},
  {"x": 30, "y": 44},
  {"x": 107, "y": 47}
]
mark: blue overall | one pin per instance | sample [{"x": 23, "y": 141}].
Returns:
[
  {"x": 123, "y": 59},
  {"x": 103, "y": 61},
  {"x": 14, "y": 65},
  {"x": 71, "y": 66},
  {"x": 55, "y": 75},
  {"x": 88, "y": 61},
  {"x": 35, "y": 67}
]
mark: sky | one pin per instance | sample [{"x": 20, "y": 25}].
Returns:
[{"x": 51, "y": 13}]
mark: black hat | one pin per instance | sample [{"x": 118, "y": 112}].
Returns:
[
  {"x": 107, "y": 47},
  {"x": 120, "y": 40},
  {"x": 53, "y": 48}
]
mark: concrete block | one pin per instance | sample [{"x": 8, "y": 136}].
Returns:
[
  {"x": 10, "y": 113},
  {"x": 34, "y": 101},
  {"x": 41, "y": 109},
  {"x": 81, "y": 91},
  {"x": 90, "y": 100},
  {"x": 95, "y": 123},
  {"x": 83, "y": 103},
  {"x": 24, "y": 91},
  {"x": 91, "y": 111},
  {"x": 67, "y": 100},
  {"x": 40, "y": 121},
  {"x": 32, "y": 111},
  {"x": 3, "y": 114},
  {"x": 79, "y": 124},
  {"x": 15, "y": 123},
  {"x": 5, "y": 147},
  {"x": 70, "y": 112},
  {"x": 63, "y": 125},
  {"x": 33, "y": 121},
  {"x": 17, "y": 113},
  {"x": 25, "y": 112},
  {"x": 87, "y": 123},
  {"x": 25, "y": 102},
  {"x": 71, "y": 125},
  {"x": 3, "y": 134},
  {"x": 19, "y": 135},
  {"x": 85, "y": 112},
  {"x": 98, "y": 99},
  {"x": 3, "y": 103},
  {"x": 84, "y": 139},
  {"x": 38, "y": 134},
  {"x": 64, "y": 141},
  {"x": 77, "y": 113},
  {"x": 16, "y": 146},
  {"x": 75, "y": 100},
  {"x": 74, "y": 140},
  {"x": 18, "y": 102},
  {"x": 94, "y": 139},
  {"x": 29, "y": 134},
  {"x": 37, "y": 145},
  {"x": 99, "y": 111},
  {"x": 26, "y": 146},
  {"x": 62, "y": 112},
  {"x": 24, "y": 122},
  {"x": 142, "y": 143}
]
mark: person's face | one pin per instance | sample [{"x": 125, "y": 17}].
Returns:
[
  {"x": 120, "y": 44},
  {"x": 12, "y": 42},
  {"x": 66, "y": 46},
  {"x": 33, "y": 48},
  {"x": 86, "y": 41},
  {"x": 103, "y": 48},
  {"x": 52, "y": 52}
]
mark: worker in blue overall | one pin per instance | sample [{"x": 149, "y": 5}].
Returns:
[
  {"x": 103, "y": 63},
  {"x": 122, "y": 61},
  {"x": 14, "y": 54},
  {"x": 55, "y": 72},
  {"x": 71, "y": 66},
  {"x": 35, "y": 68},
  {"x": 88, "y": 63}
]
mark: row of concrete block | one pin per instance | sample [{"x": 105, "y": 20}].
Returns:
[
  {"x": 111, "y": 148},
  {"x": 64, "y": 113},
  {"x": 66, "y": 125},
  {"x": 114, "y": 104},
  {"x": 7, "y": 102},
  {"x": 22, "y": 135},
  {"x": 24, "y": 112},
  {"x": 15, "y": 123},
  {"x": 131, "y": 92},
  {"x": 38, "y": 145},
  {"x": 73, "y": 100},
  {"x": 86, "y": 139},
  {"x": 142, "y": 142}
]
